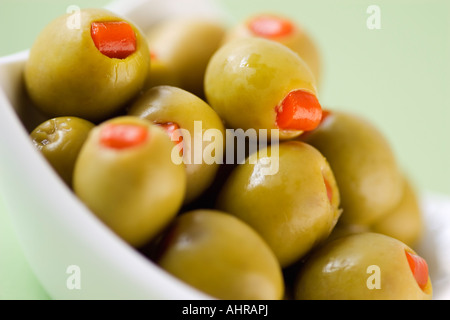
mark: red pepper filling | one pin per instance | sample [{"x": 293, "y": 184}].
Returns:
[
  {"x": 153, "y": 55},
  {"x": 114, "y": 39},
  {"x": 299, "y": 110},
  {"x": 270, "y": 26},
  {"x": 419, "y": 268},
  {"x": 122, "y": 136},
  {"x": 329, "y": 189},
  {"x": 171, "y": 128}
]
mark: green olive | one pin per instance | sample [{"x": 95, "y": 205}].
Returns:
[
  {"x": 247, "y": 82},
  {"x": 60, "y": 140},
  {"x": 280, "y": 28},
  {"x": 365, "y": 167},
  {"x": 201, "y": 154},
  {"x": 294, "y": 205},
  {"x": 405, "y": 221},
  {"x": 181, "y": 49},
  {"x": 125, "y": 175},
  {"x": 219, "y": 254},
  {"x": 364, "y": 266},
  {"x": 67, "y": 75}
]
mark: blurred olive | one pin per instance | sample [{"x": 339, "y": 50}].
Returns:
[
  {"x": 365, "y": 166},
  {"x": 60, "y": 140},
  {"x": 405, "y": 221},
  {"x": 221, "y": 255},
  {"x": 180, "y": 50}
]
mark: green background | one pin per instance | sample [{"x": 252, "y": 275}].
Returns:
[{"x": 397, "y": 76}]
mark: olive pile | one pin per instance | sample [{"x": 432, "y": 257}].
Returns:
[{"x": 313, "y": 204}]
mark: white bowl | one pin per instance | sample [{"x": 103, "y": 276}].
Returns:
[
  {"x": 54, "y": 227},
  {"x": 57, "y": 231}
]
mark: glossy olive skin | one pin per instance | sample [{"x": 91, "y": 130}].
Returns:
[
  {"x": 247, "y": 79},
  {"x": 365, "y": 166},
  {"x": 136, "y": 191},
  {"x": 167, "y": 104},
  {"x": 66, "y": 75},
  {"x": 298, "y": 40},
  {"x": 222, "y": 256},
  {"x": 181, "y": 49},
  {"x": 289, "y": 208},
  {"x": 344, "y": 269},
  {"x": 60, "y": 140},
  {"x": 405, "y": 221}
]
